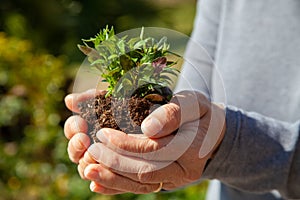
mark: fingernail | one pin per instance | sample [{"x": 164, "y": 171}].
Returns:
[
  {"x": 93, "y": 186},
  {"x": 69, "y": 98},
  {"x": 101, "y": 135},
  {"x": 151, "y": 126}
]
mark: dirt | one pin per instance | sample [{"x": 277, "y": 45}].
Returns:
[{"x": 123, "y": 114}]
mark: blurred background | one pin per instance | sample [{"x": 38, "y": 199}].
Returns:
[{"x": 38, "y": 62}]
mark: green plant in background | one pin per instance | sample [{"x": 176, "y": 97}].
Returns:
[
  {"x": 138, "y": 63},
  {"x": 58, "y": 25},
  {"x": 33, "y": 161}
]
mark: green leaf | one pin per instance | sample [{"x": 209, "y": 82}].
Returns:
[
  {"x": 142, "y": 33},
  {"x": 99, "y": 64},
  {"x": 126, "y": 62},
  {"x": 121, "y": 45},
  {"x": 171, "y": 63},
  {"x": 129, "y": 62},
  {"x": 165, "y": 77},
  {"x": 113, "y": 57},
  {"x": 139, "y": 44},
  {"x": 132, "y": 42},
  {"x": 161, "y": 43},
  {"x": 172, "y": 71}
]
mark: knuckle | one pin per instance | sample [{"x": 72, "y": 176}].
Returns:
[
  {"x": 145, "y": 174},
  {"x": 193, "y": 176},
  {"x": 145, "y": 177},
  {"x": 82, "y": 164},
  {"x": 112, "y": 180},
  {"x": 76, "y": 148},
  {"x": 120, "y": 146},
  {"x": 173, "y": 113},
  {"x": 73, "y": 125},
  {"x": 145, "y": 189},
  {"x": 88, "y": 158},
  {"x": 81, "y": 141},
  {"x": 114, "y": 163},
  {"x": 148, "y": 146},
  {"x": 71, "y": 153},
  {"x": 81, "y": 172}
]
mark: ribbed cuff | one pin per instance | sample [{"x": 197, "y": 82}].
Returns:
[{"x": 233, "y": 118}]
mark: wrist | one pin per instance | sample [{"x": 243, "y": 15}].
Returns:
[{"x": 219, "y": 109}]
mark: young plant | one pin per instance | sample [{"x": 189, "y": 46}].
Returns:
[
  {"x": 138, "y": 74},
  {"x": 132, "y": 67}
]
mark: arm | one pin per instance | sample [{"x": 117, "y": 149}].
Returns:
[
  {"x": 126, "y": 163},
  {"x": 197, "y": 69},
  {"x": 258, "y": 154}
]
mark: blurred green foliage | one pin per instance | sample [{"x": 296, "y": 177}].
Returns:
[
  {"x": 38, "y": 60},
  {"x": 57, "y": 25}
]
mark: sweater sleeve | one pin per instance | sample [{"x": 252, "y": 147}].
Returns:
[
  {"x": 258, "y": 154},
  {"x": 196, "y": 72}
]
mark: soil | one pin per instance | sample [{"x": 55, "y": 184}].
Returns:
[{"x": 125, "y": 114}]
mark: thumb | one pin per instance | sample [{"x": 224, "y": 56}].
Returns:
[
  {"x": 184, "y": 107},
  {"x": 162, "y": 121},
  {"x": 72, "y": 100}
]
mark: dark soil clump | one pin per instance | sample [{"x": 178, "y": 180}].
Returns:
[{"x": 106, "y": 112}]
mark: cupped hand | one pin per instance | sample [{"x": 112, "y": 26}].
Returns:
[
  {"x": 76, "y": 129},
  {"x": 139, "y": 163}
]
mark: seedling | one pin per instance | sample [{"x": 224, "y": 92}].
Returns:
[{"x": 136, "y": 70}]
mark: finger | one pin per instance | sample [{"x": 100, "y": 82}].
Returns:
[
  {"x": 80, "y": 168},
  {"x": 83, "y": 163},
  {"x": 118, "y": 162},
  {"x": 145, "y": 175},
  {"x": 98, "y": 188},
  {"x": 165, "y": 174},
  {"x": 131, "y": 143},
  {"x": 108, "y": 179},
  {"x": 88, "y": 158},
  {"x": 185, "y": 106},
  {"x": 168, "y": 148},
  {"x": 162, "y": 121},
  {"x": 77, "y": 146},
  {"x": 73, "y": 99},
  {"x": 75, "y": 124}
]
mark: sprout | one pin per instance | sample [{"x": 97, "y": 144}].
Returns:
[{"x": 138, "y": 63}]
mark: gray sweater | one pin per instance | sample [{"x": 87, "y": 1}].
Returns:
[{"x": 255, "y": 45}]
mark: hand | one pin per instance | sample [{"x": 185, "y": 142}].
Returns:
[
  {"x": 138, "y": 164},
  {"x": 75, "y": 130}
]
